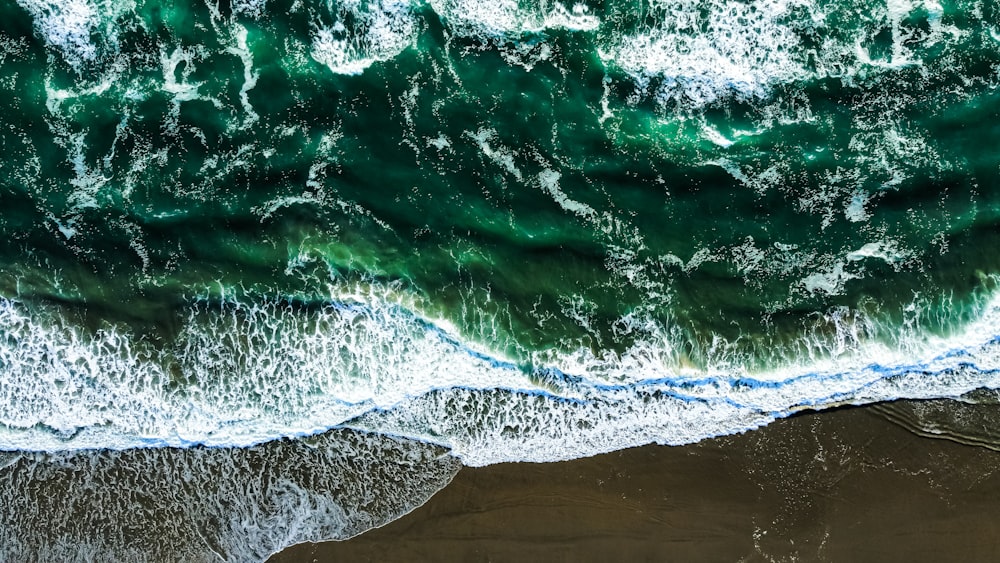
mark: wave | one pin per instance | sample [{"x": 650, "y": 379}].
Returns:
[
  {"x": 239, "y": 374},
  {"x": 689, "y": 54}
]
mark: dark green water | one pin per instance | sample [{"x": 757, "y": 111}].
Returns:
[{"x": 518, "y": 230}]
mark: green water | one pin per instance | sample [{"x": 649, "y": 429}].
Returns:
[
  {"x": 148, "y": 169},
  {"x": 716, "y": 186}
]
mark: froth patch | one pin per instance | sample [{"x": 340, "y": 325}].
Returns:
[
  {"x": 363, "y": 34},
  {"x": 235, "y": 374},
  {"x": 696, "y": 53},
  {"x": 577, "y": 18},
  {"x": 250, "y": 8},
  {"x": 501, "y": 427},
  {"x": 690, "y": 54},
  {"x": 509, "y": 18},
  {"x": 66, "y": 26},
  {"x": 82, "y": 31}
]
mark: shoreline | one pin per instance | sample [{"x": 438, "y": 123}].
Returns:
[{"x": 837, "y": 485}]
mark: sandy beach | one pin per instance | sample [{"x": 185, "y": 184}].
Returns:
[{"x": 842, "y": 485}]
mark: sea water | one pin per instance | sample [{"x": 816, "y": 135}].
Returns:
[{"x": 271, "y": 270}]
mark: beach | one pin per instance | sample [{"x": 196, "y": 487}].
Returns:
[{"x": 843, "y": 485}]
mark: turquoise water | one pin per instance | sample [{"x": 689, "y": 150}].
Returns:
[{"x": 518, "y": 231}]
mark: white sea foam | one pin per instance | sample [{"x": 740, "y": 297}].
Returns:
[
  {"x": 238, "y": 375},
  {"x": 548, "y": 181},
  {"x": 884, "y": 250},
  {"x": 829, "y": 282},
  {"x": 856, "y": 210},
  {"x": 901, "y": 53},
  {"x": 177, "y": 66},
  {"x": 658, "y": 404},
  {"x": 242, "y": 50},
  {"x": 690, "y": 53},
  {"x": 80, "y": 30},
  {"x": 698, "y": 52},
  {"x": 250, "y": 8},
  {"x": 511, "y": 18},
  {"x": 67, "y": 26},
  {"x": 234, "y": 376},
  {"x": 486, "y": 139},
  {"x": 472, "y": 17},
  {"x": 381, "y": 30},
  {"x": 577, "y": 18}
]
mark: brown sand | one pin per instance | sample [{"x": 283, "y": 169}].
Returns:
[{"x": 843, "y": 485}]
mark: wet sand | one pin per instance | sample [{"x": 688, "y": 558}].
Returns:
[{"x": 842, "y": 485}]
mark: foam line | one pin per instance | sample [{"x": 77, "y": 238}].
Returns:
[{"x": 254, "y": 373}]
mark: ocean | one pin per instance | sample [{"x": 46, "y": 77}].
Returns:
[{"x": 273, "y": 271}]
